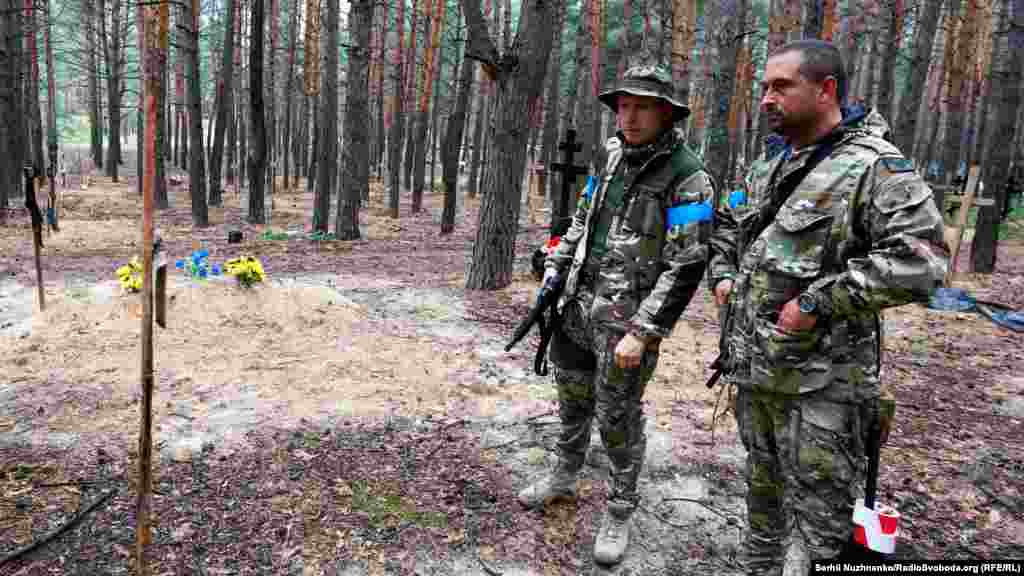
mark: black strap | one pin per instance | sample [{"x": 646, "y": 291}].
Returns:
[
  {"x": 783, "y": 189},
  {"x": 540, "y": 360}
]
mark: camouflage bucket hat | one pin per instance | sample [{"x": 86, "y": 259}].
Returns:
[{"x": 646, "y": 80}]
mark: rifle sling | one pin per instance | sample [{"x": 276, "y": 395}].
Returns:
[{"x": 783, "y": 189}]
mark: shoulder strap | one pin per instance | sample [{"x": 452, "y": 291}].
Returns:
[{"x": 783, "y": 189}]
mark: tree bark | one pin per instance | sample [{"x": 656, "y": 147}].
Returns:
[
  {"x": 886, "y": 86},
  {"x": 7, "y": 84},
  {"x": 728, "y": 40},
  {"x": 551, "y": 101},
  {"x": 520, "y": 76},
  {"x": 196, "y": 172},
  {"x": 257, "y": 130},
  {"x": 95, "y": 126},
  {"x": 112, "y": 43},
  {"x": 452, "y": 146},
  {"x": 289, "y": 90},
  {"x": 357, "y": 161},
  {"x": 397, "y": 128},
  {"x": 430, "y": 48},
  {"x": 955, "y": 114},
  {"x": 327, "y": 167},
  {"x": 1006, "y": 83},
  {"x": 224, "y": 88},
  {"x": 924, "y": 36}
]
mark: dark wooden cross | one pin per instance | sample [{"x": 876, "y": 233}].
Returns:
[{"x": 560, "y": 216}]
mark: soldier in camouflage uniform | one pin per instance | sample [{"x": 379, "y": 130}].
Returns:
[
  {"x": 633, "y": 257},
  {"x": 857, "y": 234}
]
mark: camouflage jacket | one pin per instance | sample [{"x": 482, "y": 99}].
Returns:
[
  {"x": 860, "y": 233},
  {"x": 656, "y": 246}
]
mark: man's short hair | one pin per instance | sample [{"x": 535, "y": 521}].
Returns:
[{"x": 821, "y": 59}]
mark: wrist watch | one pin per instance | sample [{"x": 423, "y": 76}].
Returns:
[{"x": 809, "y": 303}]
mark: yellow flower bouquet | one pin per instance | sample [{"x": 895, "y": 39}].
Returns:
[
  {"x": 130, "y": 275},
  {"x": 246, "y": 269}
]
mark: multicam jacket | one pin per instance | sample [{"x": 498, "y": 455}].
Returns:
[
  {"x": 860, "y": 233},
  {"x": 656, "y": 245}
]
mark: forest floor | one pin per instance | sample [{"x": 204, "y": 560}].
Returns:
[{"x": 356, "y": 413}]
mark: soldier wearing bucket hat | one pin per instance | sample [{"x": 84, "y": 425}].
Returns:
[{"x": 632, "y": 259}]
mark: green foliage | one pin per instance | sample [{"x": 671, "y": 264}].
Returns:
[{"x": 380, "y": 503}]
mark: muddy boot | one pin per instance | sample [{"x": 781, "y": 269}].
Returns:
[
  {"x": 559, "y": 484},
  {"x": 613, "y": 538}
]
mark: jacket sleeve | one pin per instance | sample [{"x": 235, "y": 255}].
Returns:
[
  {"x": 561, "y": 257},
  {"x": 723, "y": 256},
  {"x": 683, "y": 258},
  {"x": 906, "y": 257}
]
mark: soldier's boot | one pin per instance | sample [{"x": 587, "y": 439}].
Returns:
[
  {"x": 558, "y": 485},
  {"x": 613, "y": 539}
]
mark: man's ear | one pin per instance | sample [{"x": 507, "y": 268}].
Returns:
[{"x": 830, "y": 86}]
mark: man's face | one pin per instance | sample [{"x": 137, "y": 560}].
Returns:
[
  {"x": 790, "y": 102},
  {"x": 642, "y": 118}
]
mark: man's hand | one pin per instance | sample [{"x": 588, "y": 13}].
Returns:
[
  {"x": 629, "y": 351},
  {"x": 722, "y": 290},
  {"x": 793, "y": 320}
]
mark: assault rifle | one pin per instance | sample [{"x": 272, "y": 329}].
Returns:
[
  {"x": 546, "y": 298},
  {"x": 721, "y": 365}
]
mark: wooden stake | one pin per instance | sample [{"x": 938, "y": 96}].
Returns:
[
  {"x": 155, "y": 30},
  {"x": 954, "y": 236},
  {"x": 37, "y": 230}
]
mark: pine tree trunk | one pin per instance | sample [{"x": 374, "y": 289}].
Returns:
[
  {"x": 684, "y": 34},
  {"x": 257, "y": 129},
  {"x": 270, "y": 89},
  {"x": 473, "y": 183},
  {"x": 551, "y": 101},
  {"x": 395, "y": 139},
  {"x": 196, "y": 172},
  {"x": 357, "y": 154},
  {"x": 32, "y": 93},
  {"x": 924, "y": 36},
  {"x": 814, "y": 20},
  {"x": 95, "y": 127},
  {"x": 412, "y": 67},
  {"x": 378, "y": 157},
  {"x": 1007, "y": 77},
  {"x": 886, "y": 87},
  {"x": 517, "y": 91},
  {"x": 435, "y": 113},
  {"x": 289, "y": 91},
  {"x": 585, "y": 80},
  {"x": 452, "y": 145},
  {"x": 223, "y": 109},
  {"x": 430, "y": 47},
  {"x": 7, "y": 95},
  {"x": 160, "y": 134},
  {"x": 327, "y": 166},
  {"x": 728, "y": 40},
  {"x": 113, "y": 89},
  {"x": 952, "y": 156}
]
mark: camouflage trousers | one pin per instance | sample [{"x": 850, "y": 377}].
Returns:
[
  {"x": 591, "y": 384},
  {"x": 805, "y": 467}
]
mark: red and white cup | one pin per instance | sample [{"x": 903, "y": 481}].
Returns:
[{"x": 876, "y": 529}]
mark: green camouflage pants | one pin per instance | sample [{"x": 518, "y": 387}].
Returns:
[
  {"x": 591, "y": 384},
  {"x": 805, "y": 467}
]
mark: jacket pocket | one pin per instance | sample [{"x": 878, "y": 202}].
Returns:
[{"x": 795, "y": 245}]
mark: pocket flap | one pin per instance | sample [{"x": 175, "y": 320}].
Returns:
[{"x": 794, "y": 220}]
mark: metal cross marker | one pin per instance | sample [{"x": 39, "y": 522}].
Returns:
[{"x": 560, "y": 215}]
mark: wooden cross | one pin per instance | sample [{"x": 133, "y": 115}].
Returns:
[{"x": 560, "y": 216}]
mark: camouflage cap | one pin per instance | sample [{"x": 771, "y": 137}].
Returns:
[{"x": 646, "y": 80}]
